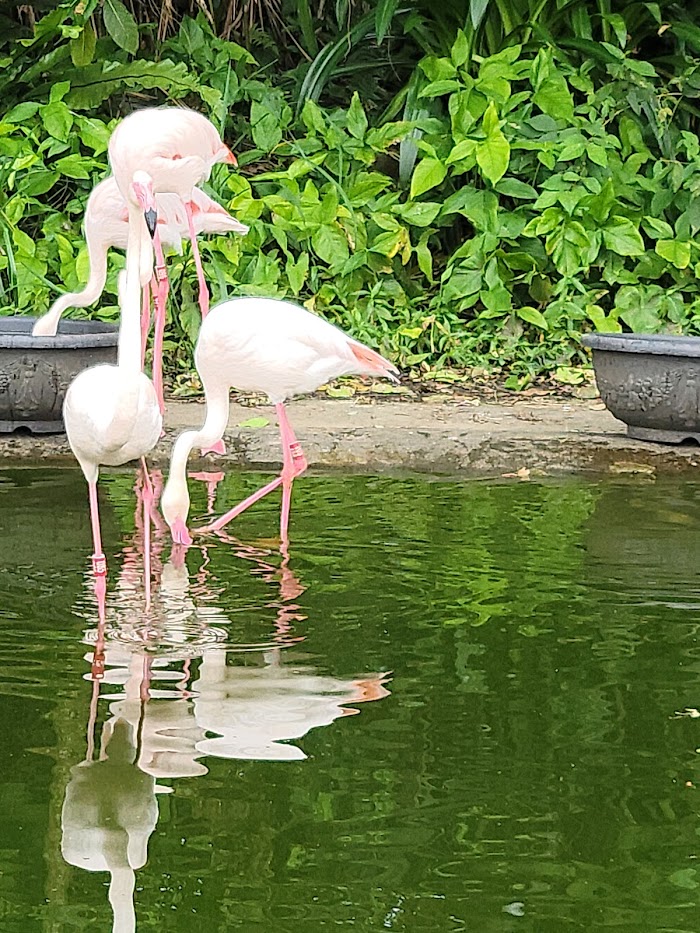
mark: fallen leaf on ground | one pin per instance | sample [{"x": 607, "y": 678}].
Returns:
[
  {"x": 522, "y": 473},
  {"x": 254, "y": 423}
]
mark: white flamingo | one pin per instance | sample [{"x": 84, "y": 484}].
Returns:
[
  {"x": 111, "y": 413},
  {"x": 261, "y": 345},
  {"x": 106, "y": 225}
]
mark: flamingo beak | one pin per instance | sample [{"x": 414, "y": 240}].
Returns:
[
  {"x": 151, "y": 221},
  {"x": 230, "y": 157}
]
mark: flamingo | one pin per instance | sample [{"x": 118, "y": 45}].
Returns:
[
  {"x": 261, "y": 345},
  {"x": 178, "y": 149},
  {"x": 111, "y": 413},
  {"x": 106, "y": 225}
]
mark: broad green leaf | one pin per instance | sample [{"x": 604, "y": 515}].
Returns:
[
  {"x": 57, "y": 120},
  {"x": 425, "y": 257},
  {"x": 441, "y": 87},
  {"x": 427, "y": 174},
  {"x": 21, "y": 112},
  {"x": 366, "y": 186},
  {"x": 553, "y": 97},
  {"x": 596, "y": 153},
  {"x": 312, "y": 115},
  {"x": 657, "y": 228},
  {"x": 437, "y": 69},
  {"x": 463, "y": 150},
  {"x": 82, "y": 49},
  {"x": 265, "y": 127},
  {"x": 460, "y": 49},
  {"x": 684, "y": 878},
  {"x": 532, "y": 316},
  {"x": 514, "y": 188},
  {"x": 73, "y": 166},
  {"x": 93, "y": 133},
  {"x": 297, "y": 272},
  {"x": 58, "y": 91},
  {"x": 493, "y": 156},
  {"x": 677, "y": 252},
  {"x": 420, "y": 214},
  {"x": 121, "y": 25},
  {"x": 623, "y": 237},
  {"x": 357, "y": 120},
  {"x": 330, "y": 245},
  {"x": 38, "y": 182}
]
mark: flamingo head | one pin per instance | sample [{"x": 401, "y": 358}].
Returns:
[
  {"x": 175, "y": 505},
  {"x": 144, "y": 196}
]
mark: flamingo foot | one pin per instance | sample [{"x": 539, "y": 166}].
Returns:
[{"x": 218, "y": 448}]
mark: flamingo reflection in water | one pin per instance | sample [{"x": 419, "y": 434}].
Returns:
[{"x": 161, "y": 718}]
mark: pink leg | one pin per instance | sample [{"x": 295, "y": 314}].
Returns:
[
  {"x": 203, "y": 290},
  {"x": 161, "y": 299},
  {"x": 99, "y": 561},
  {"x": 241, "y": 507},
  {"x": 148, "y": 497},
  {"x": 212, "y": 480},
  {"x": 98, "y": 655},
  {"x": 294, "y": 463}
]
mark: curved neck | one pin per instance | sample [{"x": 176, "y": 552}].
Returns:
[
  {"x": 212, "y": 430},
  {"x": 130, "y": 329}
]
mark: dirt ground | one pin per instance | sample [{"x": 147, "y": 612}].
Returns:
[{"x": 455, "y": 434}]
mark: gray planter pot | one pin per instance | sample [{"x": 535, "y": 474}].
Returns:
[
  {"x": 36, "y": 371},
  {"x": 651, "y": 382}
]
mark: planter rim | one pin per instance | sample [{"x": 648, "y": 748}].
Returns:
[
  {"x": 656, "y": 344},
  {"x": 16, "y": 334}
]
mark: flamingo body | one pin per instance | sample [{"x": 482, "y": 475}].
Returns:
[
  {"x": 112, "y": 417},
  {"x": 176, "y": 147},
  {"x": 270, "y": 346},
  {"x": 278, "y": 348}
]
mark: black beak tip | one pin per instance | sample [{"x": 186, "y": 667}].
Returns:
[{"x": 151, "y": 221}]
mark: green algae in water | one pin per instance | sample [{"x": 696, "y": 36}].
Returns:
[{"x": 449, "y": 707}]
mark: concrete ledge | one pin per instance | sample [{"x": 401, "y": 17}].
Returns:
[{"x": 450, "y": 436}]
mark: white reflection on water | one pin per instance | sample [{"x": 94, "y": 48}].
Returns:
[{"x": 163, "y": 718}]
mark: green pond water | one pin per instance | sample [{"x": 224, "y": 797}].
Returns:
[{"x": 448, "y": 707}]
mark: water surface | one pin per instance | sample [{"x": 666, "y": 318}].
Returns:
[{"x": 449, "y": 706}]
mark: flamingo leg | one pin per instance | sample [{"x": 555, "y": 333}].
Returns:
[
  {"x": 98, "y": 655},
  {"x": 148, "y": 497},
  {"x": 161, "y": 298},
  {"x": 99, "y": 561},
  {"x": 203, "y": 290},
  {"x": 294, "y": 463}
]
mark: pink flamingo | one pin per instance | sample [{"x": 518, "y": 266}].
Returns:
[
  {"x": 177, "y": 149},
  {"x": 106, "y": 225},
  {"x": 111, "y": 412},
  {"x": 261, "y": 345}
]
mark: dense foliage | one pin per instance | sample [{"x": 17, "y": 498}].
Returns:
[{"x": 470, "y": 186}]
